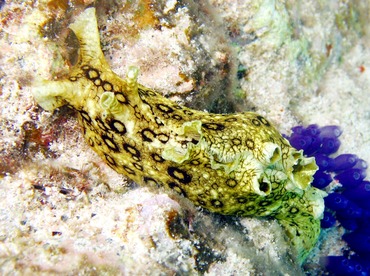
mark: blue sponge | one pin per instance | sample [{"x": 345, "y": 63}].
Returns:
[
  {"x": 321, "y": 179},
  {"x": 336, "y": 201},
  {"x": 341, "y": 265},
  {"x": 328, "y": 220},
  {"x": 358, "y": 241},
  {"x": 343, "y": 162},
  {"x": 351, "y": 178},
  {"x": 348, "y": 203}
]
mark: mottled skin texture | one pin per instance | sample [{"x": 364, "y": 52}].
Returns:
[{"x": 236, "y": 164}]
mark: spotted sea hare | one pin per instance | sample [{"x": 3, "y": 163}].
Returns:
[{"x": 232, "y": 164}]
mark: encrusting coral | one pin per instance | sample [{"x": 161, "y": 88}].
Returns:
[{"x": 236, "y": 164}]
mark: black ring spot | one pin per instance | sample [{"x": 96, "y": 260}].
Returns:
[
  {"x": 163, "y": 138},
  {"x": 277, "y": 197},
  {"x": 136, "y": 158},
  {"x": 138, "y": 166},
  {"x": 121, "y": 98},
  {"x": 294, "y": 210},
  {"x": 85, "y": 116},
  {"x": 180, "y": 175},
  {"x": 91, "y": 142},
  {"x": 109, "y": 142},
  {"x": 117, "y": 126},
  {"x": 230, "y": 120},
  {"x": 146, "y": 93},
  {"x": 256, "y": 122},
  {"x": 188, "y": 112},
  {"x": 100, "y": 124},
  {"x": 231, "y": 182},
  {"x": 164, "y": 108},
  {"x": 216, "y": 203},
  {"x": 263, "y": 120},
  {"x": 142, "y": 92},
  {"x": 137, "y": 112},
  {"x": 213, "y": 126},
  {"x": 304, "y": 214},
  {"x": 107, "y": 86},
  {"x": 250, "y": 144},
  {"x": 73, "y": 78},
  {"x": 250, "y": 208},
  {"x": 265, "y": 203},
  {"x": 97, "y": 82},
  {"x": 157, "y": 158},
  {"x": 158, "y": 121},
  {"x": 92, "y": 74},
  {"x": 275, "y": 185},
  {"x": 177, "y": 117},
  {"x": 177, "y": 188},
  {"x": 150, "y": 181},
  {"x": 201, "y": 202},
  {"x": 285, "y": 197},
  {"x": 240, "y": 213},
  {"x": 253, "y": 197},
  {"x": 236, "y": 141},
  {"x": 201, "y": 196},
  {"x": 128, "y": 170},
  {"x": 195, "y": 162},
  {"x": 110, "y": 160},
  {"x": 148, "y": 135},
  {"x": 98, "y": 141},
  {"x": 152, "y": 93},
  {"x": 242, "y": 199},
  {"x": 134, "y": 152}
]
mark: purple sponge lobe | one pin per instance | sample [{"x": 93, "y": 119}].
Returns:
[
  {"x": 321, "y": 179},
  {"x": 358, "y": 241},
  {"x": 336, "y": 201},
  {"x": 351, "y": 177},
  {"x": 344, "y": 162},
  {"x": 330, "y": 131}
]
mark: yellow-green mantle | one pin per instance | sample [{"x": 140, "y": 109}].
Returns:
[{"x": 236, "y": 164}]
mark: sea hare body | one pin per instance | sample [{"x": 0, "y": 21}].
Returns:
[{"x": 236, "y": 164}]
